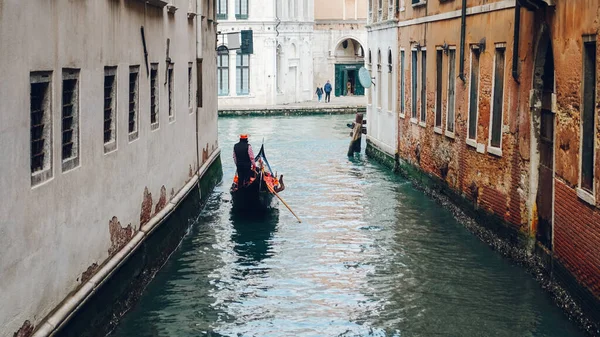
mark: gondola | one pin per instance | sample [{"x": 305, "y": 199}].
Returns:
[{"x": 258, "y": 194}]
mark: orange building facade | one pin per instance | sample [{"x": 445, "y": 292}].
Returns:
[{"x": 498, "y": 103}]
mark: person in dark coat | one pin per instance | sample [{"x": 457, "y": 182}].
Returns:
[
  {"x": 327, "y": 92},
  {"x": 319, "y": 93},
  {"x": 243, "y": 157}
]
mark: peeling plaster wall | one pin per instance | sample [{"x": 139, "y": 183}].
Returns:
[{"x": 56, "y": 234}]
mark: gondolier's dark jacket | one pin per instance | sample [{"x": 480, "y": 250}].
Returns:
[{"x": 243, "y": 155}]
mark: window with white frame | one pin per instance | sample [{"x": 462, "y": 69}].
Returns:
[
  {"x": 241, "y": 9},
  {"x": 133, "y": 114},
  {"x": 423, "y": 86},
  {"x": 497, "y": 97},
  {"x": 222, "y": 9},
  {"x": 243, "y": 74},
  {"x": 402, "y": 84},
  {"x": 154, "y": 97},
  {"x": 588, "y": 114},
  {"x": 451, "y": 91},
  {"x": 223, "y": 71},
  {"x": 170, "y": 92},
  {"x": 40, "y": 109},
  {"x": 473, "y": 95},
  {"x": 70, "y": 119},
  {"x": 378, "y": 88},
  {"x": 438, "y": 88},
  {"x": 413, "y": 84},
  {"x": 110, "y": 111}
]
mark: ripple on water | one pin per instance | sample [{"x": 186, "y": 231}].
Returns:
[{"x": 372, "y": 257}]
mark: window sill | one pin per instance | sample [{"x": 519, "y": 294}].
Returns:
[
  {"x": 402, "y": 115},
  {"x": 171, "y": 119},
  {"x": 413, "y": 120},
  {"x": 154, "y": 126},
  {"x": 110, "y": 147},
  {"x": 221, "y": 16},
  {"x": 450, "y": 134},
  {"x": 38, "y": 178},
  {"x": 422, "y": 124},
  {"x": 495, "y": 151},
  {"x": 390, "y": 112},
  {"x": 70, "y": 164},
  {"x": 172, "y": 8},
  {"x": 586, "y": 196},
  {"x": 191, "y": 15},
  {"x": 133, "y": 136},
  {"x": 420, "y": 3},
  {"x": 191, "y": 111},
  {"x": 241, "y": 17},
  {"x": 472, "y": 143},
  {"x": 437, "y": 130}
]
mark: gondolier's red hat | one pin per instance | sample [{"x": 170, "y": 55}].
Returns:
[{"x": 244, "y": 136}]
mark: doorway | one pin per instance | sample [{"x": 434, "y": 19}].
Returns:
[
  {"x": 346, "y": 80},
  {"x": 544, "y": 87}
]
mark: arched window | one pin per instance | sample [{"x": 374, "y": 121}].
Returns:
[
  {"x": 223, "y": 70},
  {"x": 390, "y": 92},
  {"x": 378, "y": 88}
]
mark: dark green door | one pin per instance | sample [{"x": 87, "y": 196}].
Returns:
[{"x": 339, "y": 78}]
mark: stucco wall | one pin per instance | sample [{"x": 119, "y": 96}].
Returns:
[{"x": 57, "y": 233}]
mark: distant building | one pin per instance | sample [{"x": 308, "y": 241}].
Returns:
[
  {"x": 339, "y": 43},
  {"x": 280, "y": 70},
  {"x": 497, "y": 104},
  {"x": 383, "y": 60},
  {"x": 108, "y": 121}
]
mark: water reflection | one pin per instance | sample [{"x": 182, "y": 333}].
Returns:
[{"x": 252, "y": 235}]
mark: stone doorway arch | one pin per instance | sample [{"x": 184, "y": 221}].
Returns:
[{"x": 348, "y": 58}]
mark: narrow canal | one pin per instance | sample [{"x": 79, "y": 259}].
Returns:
[{"x": 373, "y": 256}]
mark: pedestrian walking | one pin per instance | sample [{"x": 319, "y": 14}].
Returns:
[
  {"x": 327, "y": 92},
  {"x": 319, "y": 93}
]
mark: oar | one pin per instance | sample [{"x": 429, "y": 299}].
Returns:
[{"x": 283, "y": 201}]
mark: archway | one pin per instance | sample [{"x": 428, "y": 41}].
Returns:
[
  {"x": 349, "y": 56},
  {"x": 543, "y": 122}
]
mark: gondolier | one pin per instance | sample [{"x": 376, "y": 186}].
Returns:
[{"x": 243, "y": 157}]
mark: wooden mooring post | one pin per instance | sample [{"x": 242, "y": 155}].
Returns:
[{"x": 356, "y": 134}]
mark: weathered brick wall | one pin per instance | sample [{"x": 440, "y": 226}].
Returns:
[
  {"x": 497, "y": 184},
  {"x": 577, "y": 236}
]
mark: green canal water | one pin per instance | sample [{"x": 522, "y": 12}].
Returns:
[{"x": 373, "y": 256}]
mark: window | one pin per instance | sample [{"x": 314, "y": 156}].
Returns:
[
  {"x": 221, "y": 9},
  {"x": 497, "y": 98},
  {"x": 40, "y": 109},
  {"x": 199, "y": 82},
  {"x": 110, "y": 118},
  {"x": 241, "y": 9},
  {"x": 154, "y": 98},
  {"x": 170, "y": 88},
  {"x": 588, "y": 136},
  {"x": 438, "y": 89},
  {"x": 451, "y": 90},
  {"x": 390, "y": 91},
  {"x": 70, "y": 119},
  {"x": 413, "y": 84},
  {"x": 402, "y": 84},
  {"x": 223, "y": 71},
  {"x": 473, "y": 95},
  {"x": 380, "y": 4},
  {"x": 132, "y": 124},
  {"x": 190, "y": 99},
  {"x": 378, "y": 88},
  {"x": 423, "y": 86},
  {"x": 243, "y": 74}
]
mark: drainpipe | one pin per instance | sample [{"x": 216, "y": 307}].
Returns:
[
  {"x": 463, "y": 26},
  {"x": 515, "y": 65}
]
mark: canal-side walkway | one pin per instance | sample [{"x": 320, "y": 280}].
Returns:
[{"x": 338, "y": 105}]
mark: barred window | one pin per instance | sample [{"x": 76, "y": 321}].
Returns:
[
  {"x": 133, "y": 102},
  {"x": 110, "y": 99},
  {"x": 40, "y": 108},
  {"x": 70, "y": 119},
  {"x": 154, "y": 98}
]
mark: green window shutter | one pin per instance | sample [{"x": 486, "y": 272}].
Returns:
[{"x": 247, "y": 46}]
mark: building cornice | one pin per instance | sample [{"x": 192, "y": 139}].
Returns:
[
  {"x": 487, "y": 8},
  {"x": 341, "y": 22}
]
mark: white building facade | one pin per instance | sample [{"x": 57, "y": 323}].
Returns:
[
  {"x": 280, "y": 69},
  {"x": 340, "y": 39},
  {"x": 108, "y": 119},
  {"x": 385, "y": 62}
]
